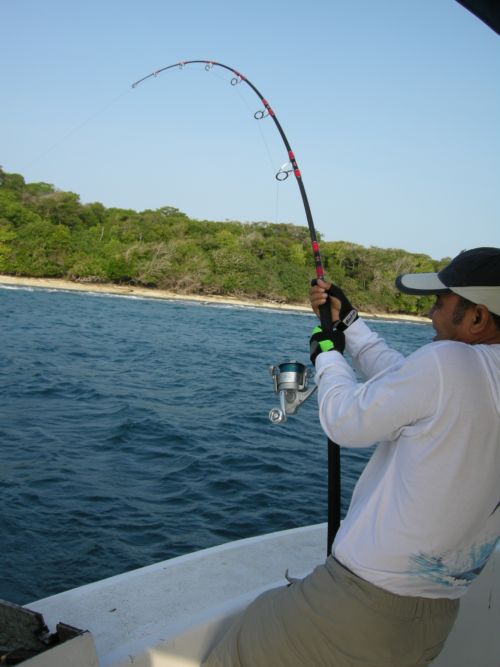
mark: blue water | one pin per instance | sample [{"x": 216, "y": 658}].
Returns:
[{"x": 134, "y": 430}]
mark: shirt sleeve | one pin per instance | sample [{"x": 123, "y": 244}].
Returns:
[
  {"x": 355, "y": 414},
  {"x": 370, "y": 353}
]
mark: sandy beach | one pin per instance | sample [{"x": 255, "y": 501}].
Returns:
[{"x": 129, "y": 290}]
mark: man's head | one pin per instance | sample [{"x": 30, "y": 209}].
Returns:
[{"x": 467, "y": 293}]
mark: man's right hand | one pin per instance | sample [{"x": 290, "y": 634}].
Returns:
[
  {"x": 318, "y": 295},
  {"x": 340, "y": 305}
]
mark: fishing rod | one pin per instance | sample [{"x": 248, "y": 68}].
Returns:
[
  {"x": 282, "y": 174},
  {"x": 290, "y": 378}
]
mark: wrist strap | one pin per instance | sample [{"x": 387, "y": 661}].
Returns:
[{"x": 342, "y": 325}]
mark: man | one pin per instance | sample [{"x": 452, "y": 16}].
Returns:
[{"x": 425, "y": 514}]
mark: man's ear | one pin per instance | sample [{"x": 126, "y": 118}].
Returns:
[{"x": 481, "y": 318}]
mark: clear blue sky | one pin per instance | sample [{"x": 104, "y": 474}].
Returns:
[{"x": 392, "y": 108}]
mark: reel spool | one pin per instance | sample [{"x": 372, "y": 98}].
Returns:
[{"x": 290, "y": 382}]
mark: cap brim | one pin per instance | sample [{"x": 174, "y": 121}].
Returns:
[{"x": 421, "y": 283}]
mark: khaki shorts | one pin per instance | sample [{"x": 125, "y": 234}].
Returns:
[{"x": 332, "y": 618}]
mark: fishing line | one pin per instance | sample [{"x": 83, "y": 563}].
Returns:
[
  {"x": 270, "y": 157},
  {"x": 272, "y": 161},
  {"x": 277, "y": 204},
  {"x": 76, "y": 129}
]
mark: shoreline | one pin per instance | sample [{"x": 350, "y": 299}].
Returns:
[{"x": 153, "y": 293}]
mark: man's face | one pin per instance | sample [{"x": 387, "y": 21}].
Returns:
[{"x": 445, "y": 321}]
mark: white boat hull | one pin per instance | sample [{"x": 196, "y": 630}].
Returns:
[{"x": 171, "y": 613}]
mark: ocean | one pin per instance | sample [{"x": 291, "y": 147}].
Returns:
[{"x": 133, "y": 430}]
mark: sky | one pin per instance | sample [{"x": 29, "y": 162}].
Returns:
[{"x": 392, "y": 109}]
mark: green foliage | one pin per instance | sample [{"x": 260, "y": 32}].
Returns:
[
  {"x": 46, "y": 232},
  {"x": 43, "y": 247},
  {"x": 7, "y": 235}
]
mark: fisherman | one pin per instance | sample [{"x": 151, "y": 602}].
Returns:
[{"x": 425, "y": 513}]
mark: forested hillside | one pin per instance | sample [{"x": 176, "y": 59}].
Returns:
[{"x": 45, "y": 232}]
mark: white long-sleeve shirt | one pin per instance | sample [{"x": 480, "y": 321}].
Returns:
[{"x": 425, "y": 513}]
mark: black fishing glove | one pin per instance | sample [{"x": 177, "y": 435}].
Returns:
[
  {"x": 348, "y": 314},
  {"x": 321, "y": 342}
]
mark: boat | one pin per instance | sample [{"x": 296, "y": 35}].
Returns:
[{"x": 171, "y": 613}]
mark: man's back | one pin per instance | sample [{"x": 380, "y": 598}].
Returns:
[{"x": 422, "y": 520}]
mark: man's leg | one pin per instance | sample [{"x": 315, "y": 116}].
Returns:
[{"x": 332, "y": 618}]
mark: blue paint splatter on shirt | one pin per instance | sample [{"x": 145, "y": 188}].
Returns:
[{"x": 453, "y": 569}]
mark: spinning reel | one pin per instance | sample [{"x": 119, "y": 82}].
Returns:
[{"x": 290, "y": 382}]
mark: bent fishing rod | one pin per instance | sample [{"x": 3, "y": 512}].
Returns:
[{"x": 294, "y": 377}]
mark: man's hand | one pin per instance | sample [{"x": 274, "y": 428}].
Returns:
[
  {"x": 325, "y": 342},
  {"x": 318, "y": 295},
  {"x": 340, "y": 305}
]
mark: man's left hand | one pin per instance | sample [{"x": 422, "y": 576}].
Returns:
[{"x": 325, "y": 342}]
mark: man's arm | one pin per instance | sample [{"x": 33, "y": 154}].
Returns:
[
  {"x": 371, "y": 355},
  {"x": 355, "y": 414}
]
